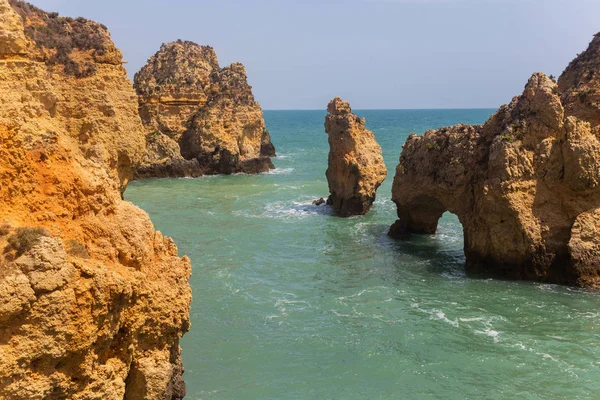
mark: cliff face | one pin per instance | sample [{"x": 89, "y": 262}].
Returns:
[
  {"x": 525, "y": 185},
  {"x": 93, "y": 301},
  {"x": 355, "y": 166},
  {"x": 202, "y": 119}
]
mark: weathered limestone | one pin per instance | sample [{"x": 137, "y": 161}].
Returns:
[
  {"x": 93, "y": 305},
  {"x": 355, "y": 166},
  {"x": 12, "y": 37},
  {"x": 525, "y": 185},
  {"x": 579, "y": 85},
  {"x": 202, "y": 119}
]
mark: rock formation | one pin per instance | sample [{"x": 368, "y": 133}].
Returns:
[
  {"x": 579, "y": 85},
  {"x": 201, "y": 119},
  {"x": 93, "y": 301},
  {"x": 355, "y": 165},
  {"x": 525, "y": 185}
]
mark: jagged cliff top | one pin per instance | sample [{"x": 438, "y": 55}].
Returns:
[
  {"x": 337, "y": 106},
  {"x": 579, "y": 84},
  {"x": 180, "y": 67},
  {"x": 583, "y": 67},
  {"x": 76, "y": 44}
]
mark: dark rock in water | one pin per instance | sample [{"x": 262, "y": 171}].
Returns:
[
  {"x": 355, "y": 166},
  {"x": 256, "y": 165},
  {"x": 266, "y": 146},
  {"x": 319, "y": 202},
  {"x": 399, "y": 231}
]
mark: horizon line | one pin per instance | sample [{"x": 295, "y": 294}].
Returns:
[{"x": 385, "y": 109}]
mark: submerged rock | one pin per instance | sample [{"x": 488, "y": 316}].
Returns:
[
  {"x": 202, "y": 119},
  {"x": 525, "y": 185},
  {"x": 93, "y": 301},
  {"x": 355, "y": 165},
  {"x": 319, "y": 202}
]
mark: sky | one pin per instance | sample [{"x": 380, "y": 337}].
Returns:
[{"x": 377, "y": 54}]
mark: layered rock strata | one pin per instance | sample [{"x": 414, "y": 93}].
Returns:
[
  {"x": 201, "y": 119},
  {"x": 525, "y": 185},
  {"x": 355, "y": 165},
  {"x": 93, "y": 301}
]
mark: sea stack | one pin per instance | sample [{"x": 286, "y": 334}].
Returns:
[
  {"x": 93, "y": 301},
  {"x": 355, "y": 165},
  {"x": 525, "y": 185},
  {"x": 199, "y": 118}
]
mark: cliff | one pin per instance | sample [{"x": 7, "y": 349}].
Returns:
[
  {"x": 355, "y": 164},
  {"x": 525, "y": 185},
  {"x": 200, "y": 118},
  {"x": 93, "y": 301}
]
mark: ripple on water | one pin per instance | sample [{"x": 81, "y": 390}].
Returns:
[{"x": 292, "y": 303}]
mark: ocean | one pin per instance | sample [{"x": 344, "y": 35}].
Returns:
[{"x": 291, "y": 302}]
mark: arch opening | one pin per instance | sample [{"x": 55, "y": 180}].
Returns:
[{"x": 419, "y": 216}]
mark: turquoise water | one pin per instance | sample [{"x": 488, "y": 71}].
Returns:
[{"x": 291, "y": 302}]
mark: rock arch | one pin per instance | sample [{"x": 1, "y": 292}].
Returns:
[{"x": 523, "y": 185}]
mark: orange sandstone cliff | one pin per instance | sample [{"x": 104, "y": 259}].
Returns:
[
  {"x": 93, "y": 301},
  {"x": 199, "y": 118},
  {"x": 355, "y": 166},
  {"x": 525, "y": 185}
]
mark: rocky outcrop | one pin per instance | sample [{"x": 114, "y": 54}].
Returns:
[
  {"x": 355, "y": 165},
  {"x": 202, "y": 119},
  {"x": 525, "y": 185},
  {"x": 93, "y": 301},
  {"x": 12, "y": 36},
  {"x": 579, "y": 85}
]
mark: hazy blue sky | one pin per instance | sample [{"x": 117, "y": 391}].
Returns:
[{"x": 376, "y": 53}]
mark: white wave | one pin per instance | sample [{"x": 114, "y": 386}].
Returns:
[
  {"x": 471, "y": 319},
  {"x": 546, "y": 356},
  {"x": 489, "y": 332},
  {"x": 558, "y": 337},
  {"x": 201, "y": 177},
  {"x": 337, "y": 314},
  {"x": 520, "y": 346},
  {"x": 280, "y": 302},
  {"x": 294, "y": 210},
  {"x": 383, "y": 200},
  {"x": 375, "y": 289},
  {"x": 280, "y": 171},
  {"x": 442, "y": 316},
  {"x": 436, "y": 314}
]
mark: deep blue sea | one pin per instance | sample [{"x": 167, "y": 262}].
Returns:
[{"x": 291, "y": 302}]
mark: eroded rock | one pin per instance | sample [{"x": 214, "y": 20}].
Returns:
[
  {"x": 12, "y": 36},
  {"x": 524, "y": 185},
  {"x": 579, "y": 85},
  {"x": 86, "y": 308},
  {"x": 208, "y": 115},
  {"x": 355, "y": 165}
]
